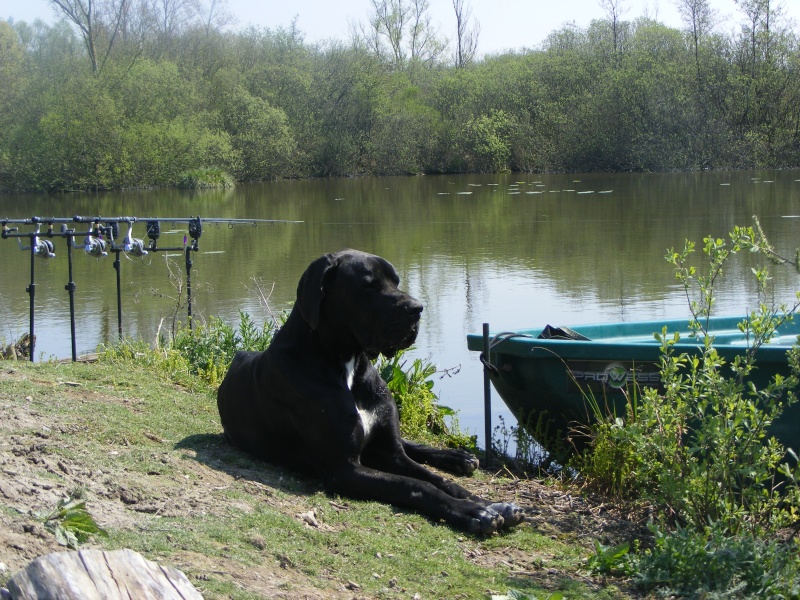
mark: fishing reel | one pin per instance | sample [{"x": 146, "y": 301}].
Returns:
[
  {"x": 7, "y": 230},
  {"x": 40, "y": 247},
  {"x": 43, "y": 248},
  {"x": 195, "y": 228},
  {"x": 132, "y": 245},
  {"x": 94, "y": 244},
  {"x": 195, "y": 231}
]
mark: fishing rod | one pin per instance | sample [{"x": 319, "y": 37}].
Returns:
[
  {"x": 44, "y": 248},
  {"x": 230, "y": 221},
  {"x": 137, "y": 247},
  {"x": 35, "y": 221},
  {"x": 102, "y": 237}
]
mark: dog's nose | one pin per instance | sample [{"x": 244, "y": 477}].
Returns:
[{"x": 414, "y": 308}]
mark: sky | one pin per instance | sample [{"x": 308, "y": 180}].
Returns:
[{"x": 505, "y": 24}]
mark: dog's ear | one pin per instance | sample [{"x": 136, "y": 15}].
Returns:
[{"x": 311, "y": 288}]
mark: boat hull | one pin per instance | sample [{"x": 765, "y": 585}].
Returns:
[{"x": 550, "y": 385}]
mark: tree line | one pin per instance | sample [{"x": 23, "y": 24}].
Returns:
[{"x": 124, "y": 95}]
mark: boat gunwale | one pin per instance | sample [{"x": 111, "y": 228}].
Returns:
[{"x": 627, "y": 347}]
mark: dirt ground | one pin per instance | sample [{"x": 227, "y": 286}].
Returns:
[{"x": 33, "y": 477}]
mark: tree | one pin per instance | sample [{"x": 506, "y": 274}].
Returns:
[
  {"x": 169, "y": 18},
  {"x": 614, "y": 11},
  {"x": 215, "y": 15},
  {"x": 466, "y": 34},
  {"x": 259, "y": 133},
  {"x": 10, "y": 57},
  {"x": 699, "y": 19},
  {"x": 401, "y": 32},
  {"x": 348, "y": 94},
  {"x": 99, "y": 22},
  {"x": 759, "y": 30},
  {"x": 765, "y": 87}
]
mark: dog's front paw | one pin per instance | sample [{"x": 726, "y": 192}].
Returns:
[
  {"x": 512, "y": 514},
  {"x": 485, "y": 521}
]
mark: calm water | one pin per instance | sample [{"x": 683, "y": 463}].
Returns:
[{"x": 515, "y": 251}]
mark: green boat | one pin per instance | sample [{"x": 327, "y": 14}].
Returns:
[{"x": 544, "y": 376}]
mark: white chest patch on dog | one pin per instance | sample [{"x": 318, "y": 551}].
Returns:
[
  {"x": 350, "y": 369},
  {"x": 367, "y": 420}
]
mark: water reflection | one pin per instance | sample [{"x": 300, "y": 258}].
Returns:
[{"x": 514, "y": 250}]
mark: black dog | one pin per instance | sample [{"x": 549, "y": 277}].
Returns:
[{"x": 314, "y": 401}]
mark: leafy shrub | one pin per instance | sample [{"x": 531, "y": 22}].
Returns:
[
  {"x": 487, "y": 142},
  {"x": 421, "y": 416},
  {"x": 612, "y": 560},
  {"x": 699, "y": 447},
  {"x": 699, "y": 450},
  {"x": 209, "y": 348},
  {"x": 710, "y": 563},
  {"x": 70, "y": 522},
  {"x": 201, "y": 179}
]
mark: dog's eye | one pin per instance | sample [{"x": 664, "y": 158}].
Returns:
[{"x": 372, "y": 282}]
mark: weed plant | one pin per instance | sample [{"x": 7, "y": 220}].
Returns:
[
  {"x": 684, "y": 563},
  {"x": 421, "y": 416},
  {"x": 210, "y": 347},
  {"x": 699, "y": 449},
  {"x": 70, "y": 522},
  {"x": 518, "y": 448}
]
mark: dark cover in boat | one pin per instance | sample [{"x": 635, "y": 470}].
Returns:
[{"x": 561, "y": 333}]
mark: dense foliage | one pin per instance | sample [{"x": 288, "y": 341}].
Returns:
[
  {"x": 148, "y": 101},
  {"x": 699, "y": 450}
]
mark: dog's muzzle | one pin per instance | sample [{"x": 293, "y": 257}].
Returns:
[{"x": 406, "y": 334}]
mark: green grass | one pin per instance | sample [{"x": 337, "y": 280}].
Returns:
[{"x": 227, "y": 520}]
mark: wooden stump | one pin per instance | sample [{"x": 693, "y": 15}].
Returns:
[{"x": 99, "y": 575}]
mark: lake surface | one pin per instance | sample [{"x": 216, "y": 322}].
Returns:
[{"x": 516, "y": 251}]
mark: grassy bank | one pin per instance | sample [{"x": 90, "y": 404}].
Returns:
[{"x": 148, "y": 456}]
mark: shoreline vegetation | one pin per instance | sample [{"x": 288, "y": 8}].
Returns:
[
  {"x": 684, "y": 496},
  {"x": 141, "y": 101}
]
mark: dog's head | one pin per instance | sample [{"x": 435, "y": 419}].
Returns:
[{"x": 355, "y": 295}]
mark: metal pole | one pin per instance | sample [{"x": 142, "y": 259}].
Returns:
[
  {"x": 487, "y": 397},
  {"x": 117, "y": 268},
  {"x": 189, "y": 282},
  {"x": 70, "y": 287},
  {"x": 31, "y": 289}
]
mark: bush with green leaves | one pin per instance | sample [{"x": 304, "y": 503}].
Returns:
[
  {"x": 421, "y": 416},
  {"x": 210, "y": 347},
  {"x": 713, "y": 564},
  {"x": 699, "y": 448},
  {"x": 615, "y": 560}
]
